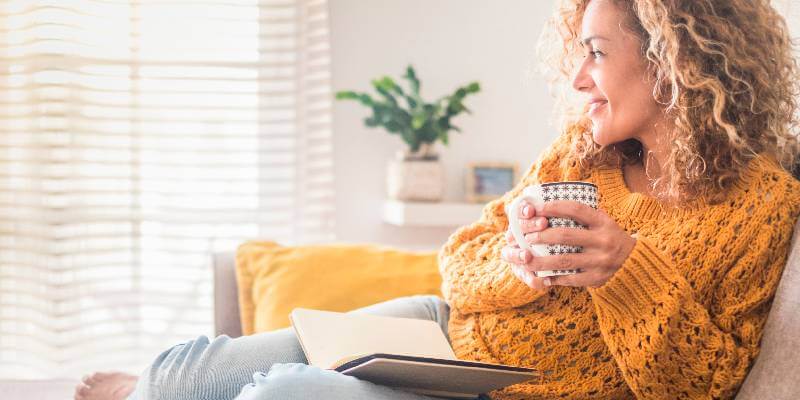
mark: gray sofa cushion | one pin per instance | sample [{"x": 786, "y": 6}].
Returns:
[{"x": 226, "y": 295}]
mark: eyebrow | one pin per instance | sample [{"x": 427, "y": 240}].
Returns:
[{"x": 586, "y": 41}]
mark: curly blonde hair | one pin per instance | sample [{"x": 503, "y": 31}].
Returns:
[{"x": 725, "y": 74}]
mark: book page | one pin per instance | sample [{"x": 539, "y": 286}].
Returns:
[{"x": 328, "y": 337}]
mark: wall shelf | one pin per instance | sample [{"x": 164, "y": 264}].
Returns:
[{"x": 430, "y": 214}]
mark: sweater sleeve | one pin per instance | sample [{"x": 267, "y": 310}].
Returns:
[
  {"x": 474, "y": 276},
  {"x": 668, "y": 345}
]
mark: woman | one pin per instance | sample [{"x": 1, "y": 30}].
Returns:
[{"x": 686, "y": 132}]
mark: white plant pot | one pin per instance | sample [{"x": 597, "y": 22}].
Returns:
[{"x": 415, "y": 179}]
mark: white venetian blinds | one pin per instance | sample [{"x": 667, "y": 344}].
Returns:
[{"x": 136, "y": 138}]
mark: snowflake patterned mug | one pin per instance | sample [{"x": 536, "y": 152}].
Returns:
[{"x": 581, "y": 192}]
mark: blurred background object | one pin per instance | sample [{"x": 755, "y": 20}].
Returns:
[{"x": 415, "y": 173}]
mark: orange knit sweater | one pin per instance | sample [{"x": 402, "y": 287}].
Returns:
[{"x": 682, "y": 318}]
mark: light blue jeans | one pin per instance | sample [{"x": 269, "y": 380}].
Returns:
[{"x": 270, "y": 365}]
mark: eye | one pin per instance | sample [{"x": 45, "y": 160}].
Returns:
[{"x": 595, "y": 54}]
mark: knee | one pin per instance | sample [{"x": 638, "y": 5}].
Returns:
[
  {"x": 180, "y": 370},
  {"x": 285, "y": 381}
]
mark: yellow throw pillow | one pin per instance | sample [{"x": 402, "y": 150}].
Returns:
[{"x": 273, "y": 279}]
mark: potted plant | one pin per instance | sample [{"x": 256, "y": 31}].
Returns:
[{"x": 416, "y": 173}]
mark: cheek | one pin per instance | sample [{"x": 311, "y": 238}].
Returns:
[
  {"x": 638, "y": 113},
  {"x": 632, "y": 109}
]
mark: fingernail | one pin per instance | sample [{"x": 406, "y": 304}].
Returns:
[
  {"x": 522, "y": 255},
  {"x": 538, "y": 223},
  {"x": 526, "y": 210},
  {"x": 546, "y": 281}
]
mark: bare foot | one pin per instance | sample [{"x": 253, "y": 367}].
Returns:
[{"x": 106, "y": 386}]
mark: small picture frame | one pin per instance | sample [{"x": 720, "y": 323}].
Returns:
[{"x": 489, "y": 181}]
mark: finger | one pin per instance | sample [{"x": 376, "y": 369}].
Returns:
[
  {"x": 525, "y": 209},
  {"x": 580, "y": 212},
  {"x": 510, "y": 238},
  {"x": 567, "y": 236},
  {"x": 527, "y": 277},
  {"x": 515, "y": 255},
  {"x": 559, "y": 262},
  {"x": 533, "y": 225},
  {"x": 520, "y": 273},
  {"x": 579, "y": 279},
  {"x": 554, "y": 281}
]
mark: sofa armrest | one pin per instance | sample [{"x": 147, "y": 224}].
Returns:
[
  {"x": 775, "y": 372},
  {"x": 226, "y": 295}
]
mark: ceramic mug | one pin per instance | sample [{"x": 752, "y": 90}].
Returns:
[{"x": 581, "y": 192}]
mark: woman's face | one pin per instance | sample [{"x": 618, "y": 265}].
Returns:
[{"x": 614, "y": 77}]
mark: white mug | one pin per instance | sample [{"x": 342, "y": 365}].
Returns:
[{"x": 582, "y": 192}]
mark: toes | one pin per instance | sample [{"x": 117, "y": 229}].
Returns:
[
  {"x": 97, "y": 377},
  {"x": 102, "y": 384},
  {"x": 93, "y": 378},
  {"x": 82, "y": 391}
]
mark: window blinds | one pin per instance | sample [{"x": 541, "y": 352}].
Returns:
[{"x": 136, "y": 138}]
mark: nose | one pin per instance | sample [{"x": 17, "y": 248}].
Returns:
[{"x": 583, "y": 81}]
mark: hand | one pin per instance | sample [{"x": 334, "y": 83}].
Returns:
[
  {"x": 606, "y": 246},
  {"x": 518, "y": 257}
]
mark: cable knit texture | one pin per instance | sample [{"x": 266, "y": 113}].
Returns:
[{"x": 681, "y": 319}]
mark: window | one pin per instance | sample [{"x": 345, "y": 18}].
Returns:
[{"x": 137, "y": 138}]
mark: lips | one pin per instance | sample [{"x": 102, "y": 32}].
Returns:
[{"x": 596, "y": 105}]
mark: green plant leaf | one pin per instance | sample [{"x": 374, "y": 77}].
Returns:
[
  {"x": 380, "y": 87},
  {"x": 366, "y": 100},
  {"x": 371, "y": 122},
  {"x": 455, "y": 107},
  {"x": 411, "y": 75},
  {"x": 410, "y": 138},
  {"x": 346, "y": 95},
  {"x": 394, "y": 126},
  {"x": 416, "y": 121},
  {"x": 474, "y": 87},
  {"x": 387, "y": 84},
  {"x": 430, "y": 133}
]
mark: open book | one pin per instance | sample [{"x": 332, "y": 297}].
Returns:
[{"x": 403, "y": 353}]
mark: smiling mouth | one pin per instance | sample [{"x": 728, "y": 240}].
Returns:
[{"x": 594, "y": 107}]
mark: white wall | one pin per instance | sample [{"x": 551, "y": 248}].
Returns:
[
  {"x": 791, "y": 10},
  {"x": 450, "y": 43}
]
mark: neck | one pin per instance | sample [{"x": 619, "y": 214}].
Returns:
[{"x": 654, "y": 153}]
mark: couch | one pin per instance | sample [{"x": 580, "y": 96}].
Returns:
[{"x": 775, "y": 375}]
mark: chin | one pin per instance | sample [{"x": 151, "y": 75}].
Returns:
[
  {"x": 605, "y": 136},
  {"x": 600, "y": 137}
]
